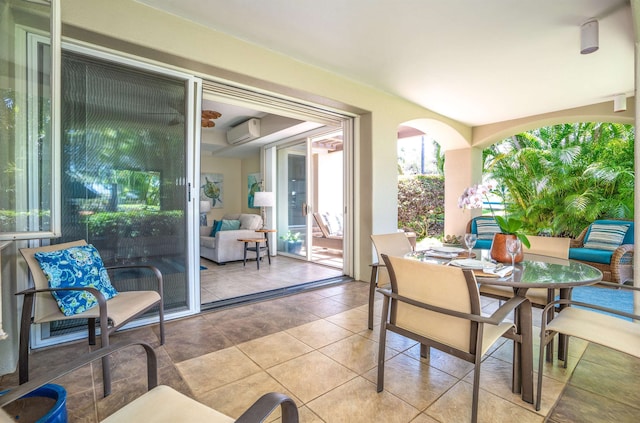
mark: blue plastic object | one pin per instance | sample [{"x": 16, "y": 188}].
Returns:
[{"x": 57, "y": 413}]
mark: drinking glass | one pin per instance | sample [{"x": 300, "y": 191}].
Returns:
[
  {"x": 514, "y": 246},
  {"x": 470, "y": 241}
]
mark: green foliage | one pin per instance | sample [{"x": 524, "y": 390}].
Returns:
[
  {"x": 291, "y": 236},
  {"x": 560, "y": 178},
  {"x": 132, "y": 224},
  {"x": 421, "y": 205}
]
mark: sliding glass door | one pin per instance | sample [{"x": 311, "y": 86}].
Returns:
[
  {"x": 310, "y": 193},
  {"x": 125, "y": 172}
]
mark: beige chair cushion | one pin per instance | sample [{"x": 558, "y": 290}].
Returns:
[
  {"x": 548, "y": 246},
  {"x": 164, "y": 404},
  {"x": 603, "y": 329},
  {"x": 395, "y": 244}
]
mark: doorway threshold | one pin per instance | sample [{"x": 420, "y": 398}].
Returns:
[{"x": 274, "y": 293}]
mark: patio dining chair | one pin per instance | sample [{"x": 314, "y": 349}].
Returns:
[
  {"x": 439, "y": 306},
  {"x": 40, "y": 305},
  {"x": 617, "y": 330},
  {"x": 392, "y": 244}
]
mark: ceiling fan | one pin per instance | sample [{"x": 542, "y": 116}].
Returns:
[{"x": 207, "y": 118}]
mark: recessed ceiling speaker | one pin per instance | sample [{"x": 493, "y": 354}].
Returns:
[{"x": 589, "y": 37}]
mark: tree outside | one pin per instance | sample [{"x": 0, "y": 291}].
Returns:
[{"x": 556, "y": 179}]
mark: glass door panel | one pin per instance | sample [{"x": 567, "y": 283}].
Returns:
[
  {"x": 292, "y": 200},
  {"x": 124, "y": 171}
]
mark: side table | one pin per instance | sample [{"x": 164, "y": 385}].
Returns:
[
  {"x": 266, "y": 231},
  {"x": 257, "y": 249}
]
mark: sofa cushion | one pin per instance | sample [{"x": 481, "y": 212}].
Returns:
[
  {"x": 605, "y": 236},
  {"x": 229, "y": 225},
  {"x": 250, "y": 221},
  {"x": 484, "y": 244},
  {"x": 591, "y": 255}
]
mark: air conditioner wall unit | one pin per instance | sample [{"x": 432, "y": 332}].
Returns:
[{"x": 246, "y": 131}]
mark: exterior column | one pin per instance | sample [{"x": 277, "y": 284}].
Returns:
[{"x": 462, "y": 168}]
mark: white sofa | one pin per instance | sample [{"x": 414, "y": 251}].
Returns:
[{"x": 225, "y": 246}]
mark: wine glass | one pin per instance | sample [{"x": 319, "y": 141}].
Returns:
[
  {"x": 470, "y": 242},
  {"x": 514, "y": 246}
]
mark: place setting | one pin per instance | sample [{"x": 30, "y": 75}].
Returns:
[{"x": 483, "y": 268}]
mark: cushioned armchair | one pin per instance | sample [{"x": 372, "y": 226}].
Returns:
[
  {"x": 42, "y": 305},
  {"x": 485, "y": 227},
  {"x": 608, "y": 246}
]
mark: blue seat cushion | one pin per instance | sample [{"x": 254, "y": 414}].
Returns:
[
  {"x": 591, "y": 254},
  {"x": 485, "y": 227},
  {"x": 484, "y": 244}
]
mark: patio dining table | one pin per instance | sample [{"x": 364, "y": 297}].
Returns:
[{"x": 534, "y": 271}]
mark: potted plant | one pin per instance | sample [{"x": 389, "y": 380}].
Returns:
[
  {"x": 472, "y": 198},
  {"x": 292, "y": 241}
]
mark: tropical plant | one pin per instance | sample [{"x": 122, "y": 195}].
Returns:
[
  {"x": 558, "y": 179},
  {"x": 291, "y": 236}
]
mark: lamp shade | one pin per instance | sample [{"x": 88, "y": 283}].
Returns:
[
  {"x": 263, "y": 199},
  {"x": 205, "y": 206}
]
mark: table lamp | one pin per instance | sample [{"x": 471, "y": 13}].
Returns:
[
  {"x": 205, "y": 206},
  {"x": 262, "y": 200}
]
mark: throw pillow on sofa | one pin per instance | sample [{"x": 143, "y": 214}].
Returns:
[
  {"x": 217, "y": 224},
  {"x": 230, "y": 225},
  {"x": 606, "y": 237}
]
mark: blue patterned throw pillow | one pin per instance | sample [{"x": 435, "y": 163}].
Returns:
[
  {"x": 606, "y": 237},
  {"x": 76, "y": 267}
]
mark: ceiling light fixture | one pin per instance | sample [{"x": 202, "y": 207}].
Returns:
[
  {"x": 589, "y": 36},
  {"x": 619, "y": 103}
]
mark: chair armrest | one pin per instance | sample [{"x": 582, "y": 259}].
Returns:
[
  {"x": 154, "y": 269},
  {"x": 496, "y": 318},
  {"x": 265, "y": 405},
  {"x": 579, "y": 241},
  {"x": 99, "y": 296},
  {"x": 589, "y": 306},
  {"x": 25, "y": 388},
  {"x": 620, "y": 286},
  {"x": 620, "y": 252}
]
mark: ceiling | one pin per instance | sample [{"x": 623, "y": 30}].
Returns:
[{"x": 477, "y": 62}]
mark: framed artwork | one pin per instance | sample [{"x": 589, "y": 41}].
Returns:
[
  {"x": 211, "y": 185},
  {"x": 253, "y": 184}
]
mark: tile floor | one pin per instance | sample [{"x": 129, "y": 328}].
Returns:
[
  {"x": 315, "y": 347},
  {"x": 221, "y": 282}
]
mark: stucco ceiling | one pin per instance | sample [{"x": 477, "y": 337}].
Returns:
[{"x": 477, "y": 62}]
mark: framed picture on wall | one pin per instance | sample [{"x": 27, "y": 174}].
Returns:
[
  {"x": 254, "y": 185},
  {"x": 211, "y": 188}
]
